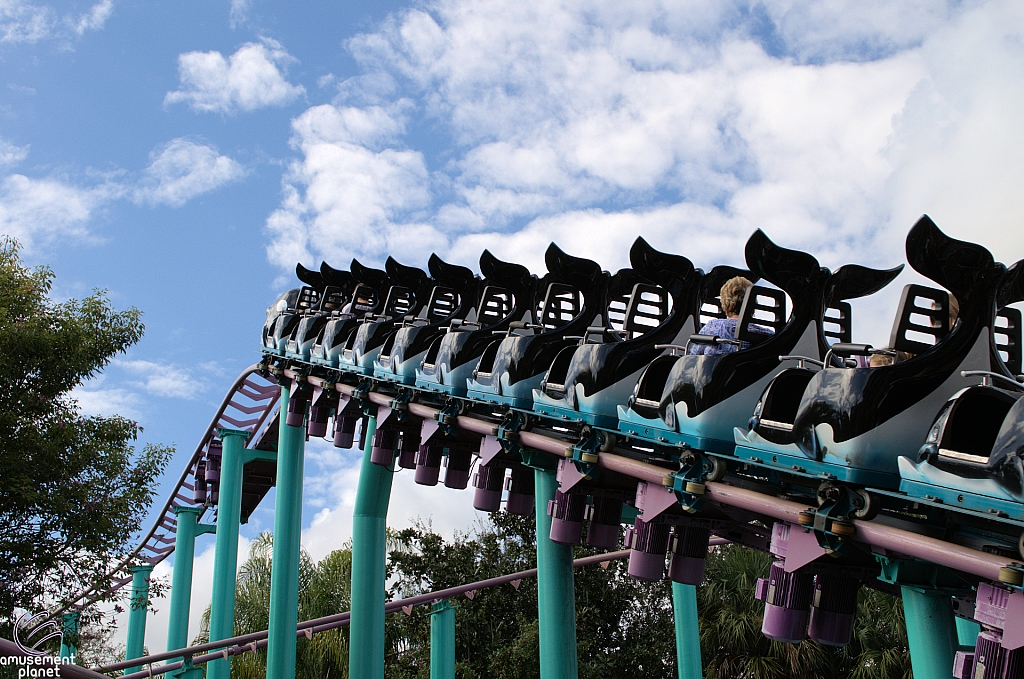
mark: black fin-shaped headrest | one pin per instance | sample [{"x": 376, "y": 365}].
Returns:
[
  {"x": 504, "y": 274},
  {"x": 790, "y": 270},
  {"x": 655, "y": 265},
  {"x": 375, "y": 278},
  {"x": 572, "y": 270},
  {"x": 338, "y": 278},
  {"x": 406, "y": 276},
  {"x": 623, "y": 281},
  {"x": 1011, "y": 289},
  {"x": 449, "y": 275},
  {"x": 853, "y": 280},
  {"x": 310, "y": 277},
  {"x": 959, "y": 266}
]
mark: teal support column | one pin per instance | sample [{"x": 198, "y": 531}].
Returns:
[
  {"x": 135, "y": 646},
  {"x": 442, "y": 641},
  {"x": 366, "y": 629},
  {"x": 684, "y": 608},
  {"x": 556, "y": 596},
  {"x": 931, "y": 632},
  {"x": 181, "y": 581},
  {"x": 967, "y": 631},
  {"x": 284, "y": 575},
  {"x": 69, "y": 635},
  {"x": 225, "y": 555}
]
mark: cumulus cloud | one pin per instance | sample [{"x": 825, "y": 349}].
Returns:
[
  {"x": 833, "y": 126},
  {"x": 164, "y": 380},
  {"x": 249, "y": 79},
  {"x": 181, "y": 170},
  {"x": 94, "y": 19},
  {"x": 94, "y": 399},
  {"x": 239, "y": 12},
  {"x": 40, "y": 211},
  {"x": 25, "y": 22},
  {"x": 11, "y": 154}
]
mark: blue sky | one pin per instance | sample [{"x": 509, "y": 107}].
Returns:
[{"x": 185, "y": 155}]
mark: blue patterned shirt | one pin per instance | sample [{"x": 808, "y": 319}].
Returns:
[{"x": 726, "y": 329}]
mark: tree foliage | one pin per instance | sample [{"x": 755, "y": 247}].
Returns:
[
  {"x": 73, "y": 489},
  {"x": 624, "y": 626}
]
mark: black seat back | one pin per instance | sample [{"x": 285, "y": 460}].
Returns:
[
  {"x": 761, "y": 306},
  {"x": 648, "y": 307},
  {"x": 836, "y": 323},
  {"x": 560, "y": 305},
  {"x": 443, "y": 303},
  {"x": 922, "y": 319},
  {"x": 1007, "y": 338}
]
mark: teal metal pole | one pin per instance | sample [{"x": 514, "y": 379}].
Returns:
[
  {"x": 442, "y": 641},
  {"x": 967, "y": 632},
  {"x": 366, "y": 629},
  {"x": 931, "y": 632},
  {"x": 284, "y": 575},
  {"x": 135, "y": 646},
  {"x": 69, "y": 635},
  {"x": 684, "y": 608},
  {"x": 225, "y": 555},
  {"x": 181, "y": 581},
  {"x": 556, "y": 596}
]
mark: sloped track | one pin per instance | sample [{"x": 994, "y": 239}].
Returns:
[{"x": 250, "y": 405}]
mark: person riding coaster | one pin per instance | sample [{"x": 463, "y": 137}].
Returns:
[
  {"x": 509, "y": 295},
  {"x": 585, "y": 383},
  {"x": 510, "y": 369},
  {"x": 971, "y": 458},
  {"x": 367, "y": 297},
  {"x": 452, "y": 301},
  {"x": 854, "y": 424},
  {"x": 337, "y": 292},
  {"x": 697, "y": 400}
]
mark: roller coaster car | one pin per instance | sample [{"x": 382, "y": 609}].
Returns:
[
  {"x": 408, "y": 296},
  {"x": 971, "y": 457},
  {"x": 648, "y": 306},
  {"x": 337, "y": 292},
  {"x": 366, "y": 298},
  {"x": 510, "y": 369},
  {"x": 853, "y": 424},
  {"x": 283, "y": 315},
  {"x": 452, "y": 300},
  {"x": 509, "y": 295},
  {"x": 698, "y": 400}
]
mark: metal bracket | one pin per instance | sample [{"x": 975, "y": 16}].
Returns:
[
  {"x": 448, "y": 415},
  {"x": 688, "y": 482},
  {"x": 361, "y": 395},
  {"x": 923, "y": 576}
]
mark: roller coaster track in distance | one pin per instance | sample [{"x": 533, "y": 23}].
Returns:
[{"x": 249, "y": 405}]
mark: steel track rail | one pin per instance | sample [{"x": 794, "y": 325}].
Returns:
[
  {"x": 872, "y": 534},
  {"x": 247, "y": 405}
]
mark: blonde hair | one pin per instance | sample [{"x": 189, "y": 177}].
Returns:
[{"x": 732, "y": 294}]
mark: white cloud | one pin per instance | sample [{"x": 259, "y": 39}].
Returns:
[
  {"x": 239, "y": 12},
  {"x": 23, "y": 22},
  {"x": 181, "y": 170},
  {"x": 249, "y": 79},
  {"x": 40, "y": 211},
  {"x": 94, "y": 19},
  {"x": 159, "y": 379},
  {"x": 331, "y": 478},
  {"x": 95, "y": 400},
  {"x": 833, "y": 126},
  {"x": 11, "y": 154}
]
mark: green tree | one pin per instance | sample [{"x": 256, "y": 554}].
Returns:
[{"x": 73, "y": 489}]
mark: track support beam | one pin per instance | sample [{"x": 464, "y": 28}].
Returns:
[
  {"x": 69, "y": 635},
  {"x": 225, "y": 556},
  {"x": 181, "y": 581},
  {"x": 135, "y": 646},
  {"x": 284, "y": 575},
  {"x": 684, "y": 609},
  {"x": 442, "y": 641},
  {"x": 373, "y": 494},
  {"x": 556, "y": 595}
]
